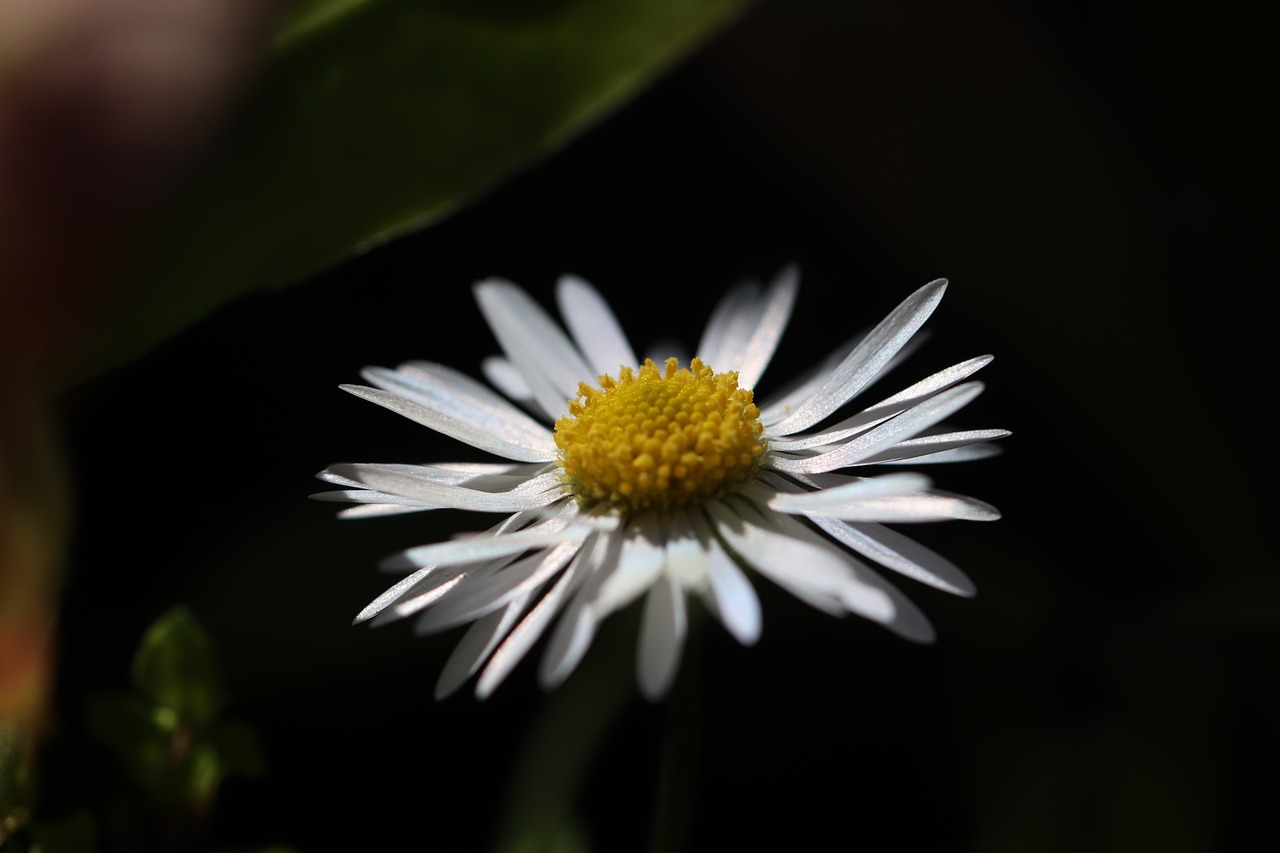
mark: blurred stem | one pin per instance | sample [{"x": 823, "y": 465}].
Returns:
[
  {"x": 678, "y": 776},
  {"x": 561, "y": 744}
]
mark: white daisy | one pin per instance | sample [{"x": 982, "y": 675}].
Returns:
[{"x": 627, "y": 478}]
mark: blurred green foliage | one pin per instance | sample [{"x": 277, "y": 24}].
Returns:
[
  {"x": 169, "y": 737},
  {"x": 377, "y": 117}
]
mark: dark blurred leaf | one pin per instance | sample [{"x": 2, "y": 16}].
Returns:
[
  {"x": 127, "y": 726},
  {"x": 375, "y": 117},
  {"x": 176, "y": 667},
  {"x": 175, "y": 769}
]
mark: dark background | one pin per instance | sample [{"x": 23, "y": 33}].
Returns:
[{"x": 1096, "y": 179}]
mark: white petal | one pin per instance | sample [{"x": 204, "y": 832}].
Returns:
[
  {"x": 429, "y": 582},
  {"x": 662, "y": 633},
  {"x": 729, "y": 328},
  {"x": 496, "y": 590},
  {"x": 686, "y": 552},
  {"x": 731, "y": 597},
  {"x": 376, "y": 606},
  {"x": 435, "y": 587},
  {"x": 471, "y": 474},
  {"x": 534, "y": 343},
  {"x": 576, "y": 628},
  {"x": 457, "y": 395},
  {"x": 500, "y": 436},
  {"x": 569, "y": 642},
  {"x": 894, "y": 551},
  {"x": 524, "y": 635},
  {"x": 379, "y": 510},
  {"x": 885, "y": 409},
  {"x": 641, "y": 561},
  {"x": 410, "y": 482},
  {"x": 770, "y": 319},
  {"x": 474, "y": 647},
  {"x": 369, "y": 496},
  {"x": 831, "y": 501},
  {"x": 594, "y": 326},
  {"x": 473, "y": 549},
  {"x": 503, "y": 375},
  {"x": 909, "y": 621},
  {"x": 968, "y": 453},
  {"x": 929, "y": 445},
  {"x": 804, "y": 386},
  {"x": 867, "y": 360},
  {"x": 798, "y": 562},
  {"x": 939, "y": 381},
  {"x": 932, "y": 506},
  {"x": 904, "y": 426}
]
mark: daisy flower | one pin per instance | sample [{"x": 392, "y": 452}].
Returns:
[{"x": 664, "y": 479}]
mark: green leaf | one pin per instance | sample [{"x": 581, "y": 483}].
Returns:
[
  {"x": 176, "y": 667},
  {"x": 376, "y": 117}
]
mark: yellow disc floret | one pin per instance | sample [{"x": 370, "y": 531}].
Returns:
[{"x": 654, "y": 439}]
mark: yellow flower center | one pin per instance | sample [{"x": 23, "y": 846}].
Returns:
[{"x": 655, "y": 439}]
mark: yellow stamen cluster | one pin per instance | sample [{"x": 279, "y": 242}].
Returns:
[{"x": 654, "y": 439}]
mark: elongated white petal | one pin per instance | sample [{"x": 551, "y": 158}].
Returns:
[
  {"x": 730, "y": 596},
  {"x": 892, "y": 431},
  {"x": 867, "y": 359},
  {"x": 435, "y": 587},
  {"x": 798, "y": 563},
  {"x": 534, "y": 343},
  {"x": 909, "y": 621},
  {"x": 458, "y": 396},
  {"x": 379, "y": 510},
  {"x": 831, "y": 501},
  {"x": 500, "y": 437},
  {"x": 575, "y": 629},
  {"x": 594, "y": 326},
  {"x": 930, "y": 385},
  {"x": 729, "y": 327},
  {"x": 770, "y": 319},
  {"x": 642, "y": 559},
  {"x": 489, "y": 593},
  {"x": 929, "y": 445},
  {"x": 894, "y": 551},
  {"x": 475, "y": 646},
  {"x": 778, "y": 407},
  {"x": 473, "y": 549},
  {"x": 662, "y": 633},
  {"x": 368, "y": 496},
  {"x": 500, "y": 477},
  {"x": 403, "y": 480},
  {"x": 568, "y": 644},
  {"x": 968, "y": 453},
  {"x": 933, "y": 506},
  {"x": 531, "y": 627},
  {"x": 686, "y": 556},
  {"x": 503, "y": 375},
  {"x": 386, "y": 598},
  {"x": 885, "y": 409}
]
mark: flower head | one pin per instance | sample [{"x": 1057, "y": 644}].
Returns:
[{"x": 662, "y": 480}]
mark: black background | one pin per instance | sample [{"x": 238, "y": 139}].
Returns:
[{"x": 1096, "y": 181}]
